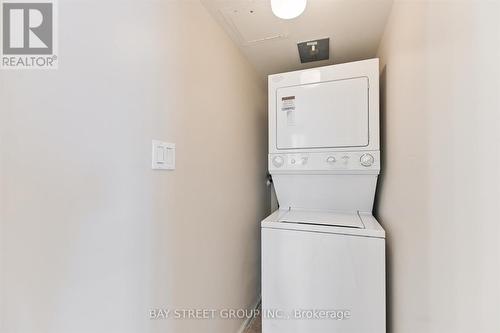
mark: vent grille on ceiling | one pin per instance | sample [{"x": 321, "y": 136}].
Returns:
[{"x": 314, "y": 50}]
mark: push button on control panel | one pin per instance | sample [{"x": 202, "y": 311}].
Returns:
[
  {"x": 297, "y": 160},
  {"x": 330, "y": 159}
]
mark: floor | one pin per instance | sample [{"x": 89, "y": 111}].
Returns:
[{"x": 255, "y": 326}]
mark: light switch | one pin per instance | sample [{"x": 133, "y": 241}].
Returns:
[
  {"x": 160, "y": 154},
  {"x": 163, "y": 157}
]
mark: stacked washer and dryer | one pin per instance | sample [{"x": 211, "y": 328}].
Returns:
[{"x": 323, "y": 253}]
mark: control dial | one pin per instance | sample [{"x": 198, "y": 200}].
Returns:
[
  {"x": 366, "y": 160},
  {"x": 330, "y": 159},
  {"x": 278, "y": 161}
]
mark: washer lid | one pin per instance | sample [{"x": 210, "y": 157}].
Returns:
[{"x": 340, "y": 219}]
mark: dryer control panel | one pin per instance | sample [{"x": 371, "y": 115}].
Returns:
[{"x": 363, "y": 161}]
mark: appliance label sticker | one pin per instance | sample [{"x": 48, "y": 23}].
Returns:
[{"x": 288, "y": 103}]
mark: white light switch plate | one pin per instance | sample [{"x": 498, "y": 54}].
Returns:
[{"x": 163, "y": 155}]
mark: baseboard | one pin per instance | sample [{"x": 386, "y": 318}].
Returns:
[{"x": 248, "y": 321}]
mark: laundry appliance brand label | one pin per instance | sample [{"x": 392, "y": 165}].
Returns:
[{"x": 288, "y": 103}]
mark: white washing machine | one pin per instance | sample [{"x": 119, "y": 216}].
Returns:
[{"x": 323, "y": 253}]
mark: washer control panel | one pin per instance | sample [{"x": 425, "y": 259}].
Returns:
[{"x": 356, "y": 161}]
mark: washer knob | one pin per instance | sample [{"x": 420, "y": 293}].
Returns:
[
  {"x": 330, "y": 159},
  {"x": 366, "y": 160},
  {"x": 278, "y": 161}
]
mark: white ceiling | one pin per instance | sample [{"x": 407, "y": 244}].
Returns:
[{"x": 355, "y": 28}]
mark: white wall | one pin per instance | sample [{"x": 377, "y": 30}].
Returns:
[
  {"x": 440, "y": 191},
  {"x": 91, "y": 238}
]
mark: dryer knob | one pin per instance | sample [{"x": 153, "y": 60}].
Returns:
[
  {"x": 278, "y": 161},
  {"x": 330, "y": 159},
  {"x": 366, "y": 160}
]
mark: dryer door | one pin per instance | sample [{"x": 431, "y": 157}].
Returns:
[{"x": 330, "y": 114}]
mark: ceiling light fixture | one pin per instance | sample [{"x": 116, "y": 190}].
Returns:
[{"x": 288, "y": 9}]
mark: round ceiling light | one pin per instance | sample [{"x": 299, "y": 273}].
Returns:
[{"x": 288, "y": 9}]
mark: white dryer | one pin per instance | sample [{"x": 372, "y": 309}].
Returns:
[{"x": 323, "y": 253}]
